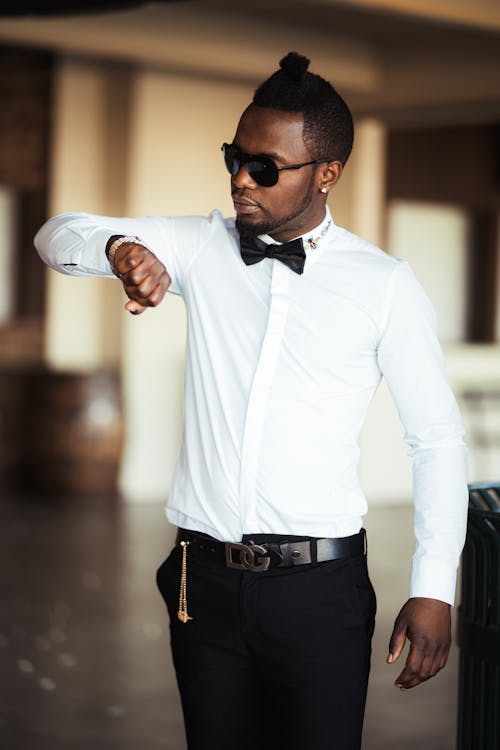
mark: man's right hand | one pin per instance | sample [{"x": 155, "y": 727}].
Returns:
[{"x": 144, "y": 278}]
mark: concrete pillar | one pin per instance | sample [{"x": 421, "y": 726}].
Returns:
[
  {"x": 83, "y": 319},
  {"x": 7, "y": 243},
  {"x": 368, "y": 172}
]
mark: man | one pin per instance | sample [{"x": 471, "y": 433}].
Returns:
[{"x": 291, "y": 323}]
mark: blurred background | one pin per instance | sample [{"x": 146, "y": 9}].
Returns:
[{"x": 122, "y": 112}]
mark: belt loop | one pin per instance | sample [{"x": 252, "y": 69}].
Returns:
[{"x": 314, "y": 550}]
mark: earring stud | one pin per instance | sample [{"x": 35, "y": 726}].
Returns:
[{"x": 323, "y": 190}]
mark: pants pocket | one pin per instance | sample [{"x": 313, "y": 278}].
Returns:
[
  {"x": 365, "y": 592},
  {"x": 168, "y": 576}
]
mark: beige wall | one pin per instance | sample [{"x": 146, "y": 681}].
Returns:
[{"x": 82, "y": 327}]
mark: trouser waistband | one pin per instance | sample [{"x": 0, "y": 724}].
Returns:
[{"x": 265, "y": 555}]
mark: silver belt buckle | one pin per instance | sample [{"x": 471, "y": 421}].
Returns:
[{"x": 248, "y": 557}]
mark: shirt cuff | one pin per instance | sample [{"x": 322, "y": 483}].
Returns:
[
  {"x": 94, "y": 252},
  {"x": 434, "y": 579}
]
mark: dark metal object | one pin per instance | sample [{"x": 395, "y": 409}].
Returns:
[
  {"x": 251, "y": 557},
  {"x": 479, "y": 623}
]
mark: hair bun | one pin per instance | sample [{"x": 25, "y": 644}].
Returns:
[{"x": 294, "y": 66}]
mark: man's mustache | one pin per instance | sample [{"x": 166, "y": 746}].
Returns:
[{"x": 246, "y": 195}]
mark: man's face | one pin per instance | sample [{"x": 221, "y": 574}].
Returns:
[{"x": 294, "y": 205}]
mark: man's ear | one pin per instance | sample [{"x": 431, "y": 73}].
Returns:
[{"x": 329, "y": 174}]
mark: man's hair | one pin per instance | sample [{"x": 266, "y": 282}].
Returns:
[{"x": 328, "y": 126}]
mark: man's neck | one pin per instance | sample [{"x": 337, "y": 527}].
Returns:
[{"x": 300, "y": 231}]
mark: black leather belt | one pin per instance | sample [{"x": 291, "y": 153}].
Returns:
[{"x": 266, "y": 555}]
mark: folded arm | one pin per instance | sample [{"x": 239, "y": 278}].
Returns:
[{"x": 76, "y": 244}]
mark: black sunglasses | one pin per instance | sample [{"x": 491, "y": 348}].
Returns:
[{"x": 261, "y": 169}]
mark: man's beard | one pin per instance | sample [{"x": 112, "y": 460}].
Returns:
[
  {"x": 253, "y": 229},
  {"x": 270, "y": 224}
]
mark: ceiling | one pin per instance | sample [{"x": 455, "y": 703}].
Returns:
[{"x": 402, "y": 60}]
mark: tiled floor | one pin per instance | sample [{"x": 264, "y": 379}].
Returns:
[{"x": 84, "y": 656}]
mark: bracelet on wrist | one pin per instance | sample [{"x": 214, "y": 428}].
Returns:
[{"x": 111, "y": 251}]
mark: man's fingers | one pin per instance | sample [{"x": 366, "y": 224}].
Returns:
[
  {"x": 417, "y": 669},
  {"x": 147, "y": 266},
  {"x": 422, "y": 663},
  {"x": 138, "y": 303},
  {"x": 130, "y": 255},
  {"x": 397, "y": 642},
  {"x": 142, "y": 290},
  {"x": 151, "y": 291},
  {"x": 134, "y": 307},
  {"x": 443, "y": 658},
  {"x": 159, "y": 292}
]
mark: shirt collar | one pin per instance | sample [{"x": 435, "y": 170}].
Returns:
[{"x": 314, "y": 241}]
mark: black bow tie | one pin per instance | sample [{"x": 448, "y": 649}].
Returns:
[{"x": 292, "y": 253}]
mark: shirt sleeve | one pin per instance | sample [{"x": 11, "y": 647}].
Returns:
[
  {"x": 412, "y": 362},
  {"x": 74, "y": 243}
]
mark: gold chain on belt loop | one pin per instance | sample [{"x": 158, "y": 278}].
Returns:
[{"x": 182, "y": 614}]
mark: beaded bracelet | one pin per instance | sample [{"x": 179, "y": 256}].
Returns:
[{"x": 114, "y": 247}]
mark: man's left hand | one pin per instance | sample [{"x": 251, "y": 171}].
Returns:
[{"x": 427, "y": 625}]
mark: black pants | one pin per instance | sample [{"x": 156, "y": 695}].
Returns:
[{"x": 273, "y": 659}]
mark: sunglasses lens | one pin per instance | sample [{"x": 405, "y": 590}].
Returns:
[
  {"x": 232, "y": 158},
  {"x": 261, "y": 169}
]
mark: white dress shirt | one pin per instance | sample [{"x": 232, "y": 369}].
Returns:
[{"x": 280, "y": 369}]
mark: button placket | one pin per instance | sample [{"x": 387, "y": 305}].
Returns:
[{"x": 259, "y": 393}]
